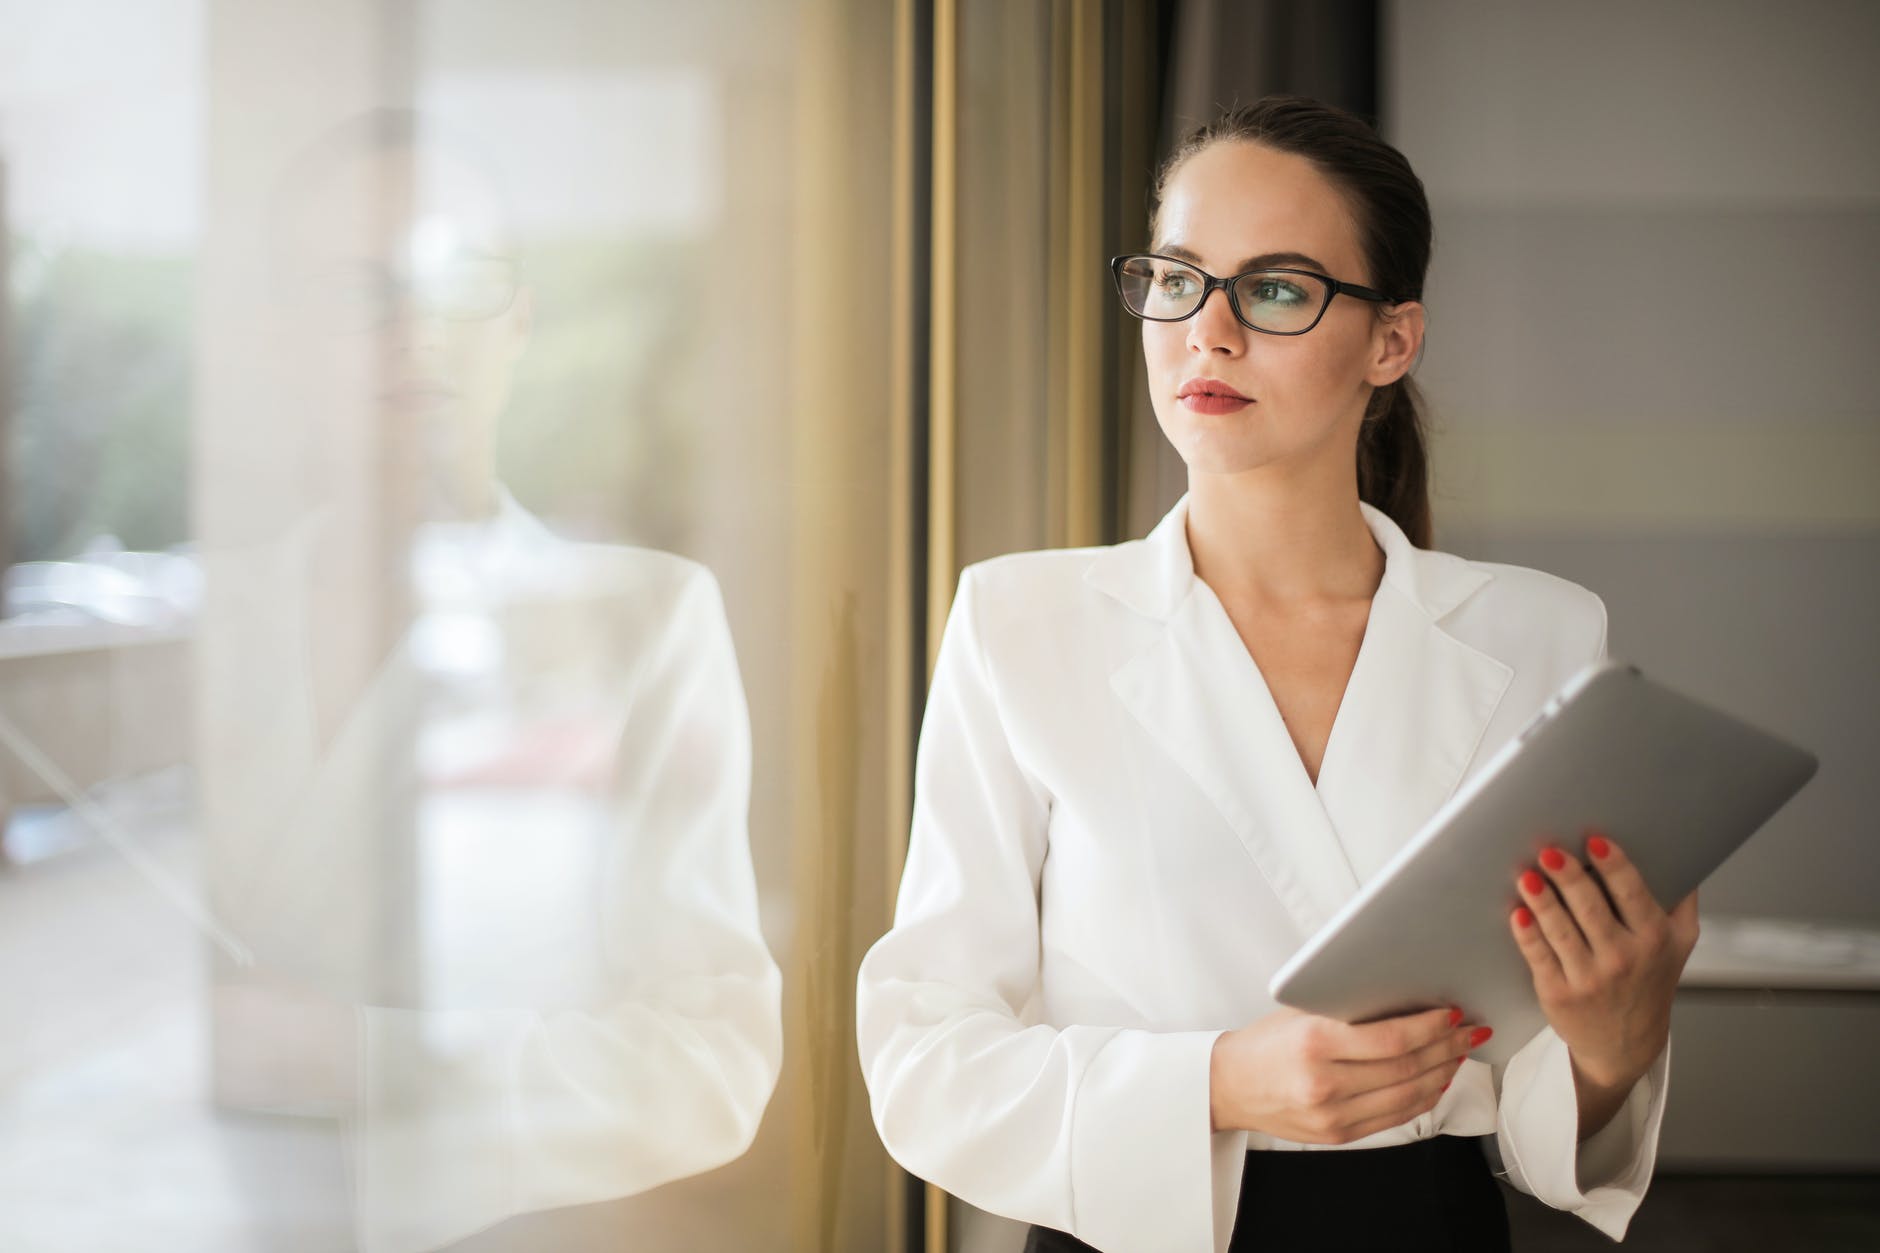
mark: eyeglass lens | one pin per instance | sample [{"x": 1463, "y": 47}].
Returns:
[{"x": 367, "y": 295}]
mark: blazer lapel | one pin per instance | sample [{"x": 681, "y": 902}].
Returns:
[
  {"x": 1412, "y": 714},
  {"x": 1416, "y": 708}
]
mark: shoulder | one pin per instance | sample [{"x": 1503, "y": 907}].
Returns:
[
  {"x": 658, "y": 573},
  {"x": 652, "y": 577},
  {"x": 1026, "y": 586},
  {"x": 655, "y": 579},
  {"x": 1526, "y": 591},
  {"x": 1024, "y": 616},
  {"x": 655, "y": 607},
  {"x": 1520, "y": 609},
  {"x": 1041, "y": 575}
]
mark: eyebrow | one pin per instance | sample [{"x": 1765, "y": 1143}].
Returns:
[{"x": 1265, "y": 260}]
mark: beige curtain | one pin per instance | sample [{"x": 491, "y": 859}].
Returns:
[
  {"x": 1044, "y": 120},
  {"x": 850, "y": 592}
]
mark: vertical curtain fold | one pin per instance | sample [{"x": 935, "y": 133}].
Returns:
[{"x": 850, "y": 586}]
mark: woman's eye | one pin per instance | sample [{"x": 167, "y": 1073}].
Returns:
[
  {"x": 1274, "y": 291},
  {"x": 1175, "y": 283}
]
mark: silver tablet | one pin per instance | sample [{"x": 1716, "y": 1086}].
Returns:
[{"x": 1677, "y": 784}]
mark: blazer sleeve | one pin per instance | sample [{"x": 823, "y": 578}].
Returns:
[
  {"x": 1103, "y": 1132},
  {"x": 467, "y": 1117},
  {"x": 1602, "y": 1180}
]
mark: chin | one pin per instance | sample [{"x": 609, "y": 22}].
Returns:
[{"x": 1220, "y": 451}]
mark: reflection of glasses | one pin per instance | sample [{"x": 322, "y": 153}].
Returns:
[
  {"x": 466, "y": 289},
  {"x": 1276, "y": 302}
]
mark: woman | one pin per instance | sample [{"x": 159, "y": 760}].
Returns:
[
  {"x": 557, "y": 736},
  {"x": 1149, "y": 772}
]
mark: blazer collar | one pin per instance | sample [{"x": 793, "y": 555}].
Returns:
[
  {"x": 1410, "y": 720},
  {"x": 1154, "y": 574}
]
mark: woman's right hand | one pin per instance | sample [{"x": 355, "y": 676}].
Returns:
[{"x": 1313, "y": 1080}]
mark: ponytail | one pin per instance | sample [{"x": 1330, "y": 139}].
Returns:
[{"x": 1393, "y": 469}]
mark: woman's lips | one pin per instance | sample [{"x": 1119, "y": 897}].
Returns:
[
  {"x": 419, "y": 396},
  {"x": 1211, "y": 396},
  {"x": 1209, "y": 402}
]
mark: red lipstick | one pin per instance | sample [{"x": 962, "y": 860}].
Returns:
[{"x": 1210, "y": 395}]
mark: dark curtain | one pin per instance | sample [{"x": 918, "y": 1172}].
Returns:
[{"x": 1231, "y": 52}]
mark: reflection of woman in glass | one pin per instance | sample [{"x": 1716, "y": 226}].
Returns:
[
  {"x": 595, "y": 1011},
  {"x": 1148, "y": 772}
]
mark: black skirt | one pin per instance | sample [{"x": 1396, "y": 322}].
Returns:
[{"x": 1435, "y": 1195}]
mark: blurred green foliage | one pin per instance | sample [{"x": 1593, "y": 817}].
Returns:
[
  {"x": 595, "y": 436},
  {"x": 100, "y": 351}
]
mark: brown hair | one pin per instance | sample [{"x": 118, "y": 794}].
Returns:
[{"x": 1393, "y": 216}]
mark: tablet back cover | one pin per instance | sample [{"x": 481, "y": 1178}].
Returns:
[{"x": 1678, "y": 784}]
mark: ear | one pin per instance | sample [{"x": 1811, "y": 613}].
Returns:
[{"x": 1396, "y": 342}]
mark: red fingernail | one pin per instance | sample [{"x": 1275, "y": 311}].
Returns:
[
  {"x": 1532, "y": 883},
  {"x": 1523, "y": 918},
  {"x": 1479, "y": 1036},
  {"x": 1597, "y": 846},
  {"x": 1455, "y": 1017},
  {"x": 1553, "y": 858},
  {"x": 1445, "y": 1087}
]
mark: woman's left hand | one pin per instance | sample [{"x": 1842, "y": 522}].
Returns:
[{"x": 1605, "y": 971}]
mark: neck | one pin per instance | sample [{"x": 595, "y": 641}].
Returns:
[
  {"x": 463, "y": 498},
  {"x": 1282, "y": 538}
]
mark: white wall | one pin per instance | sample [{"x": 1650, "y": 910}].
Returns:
[
  {"x": 1658, "y": 243},
  {"x": 1658, "y": 235}
]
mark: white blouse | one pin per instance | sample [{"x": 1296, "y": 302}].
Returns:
[{"x": 1115, "y": 845}]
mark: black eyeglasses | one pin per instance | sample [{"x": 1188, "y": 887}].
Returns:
[
  {"x": 364, "y": 295},
  {"x": 1273, "y": 302}
]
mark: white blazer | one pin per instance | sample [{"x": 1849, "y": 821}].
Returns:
[
  {"x": 1115, "y": 845},
  {"x": 600, "y": 1015}
]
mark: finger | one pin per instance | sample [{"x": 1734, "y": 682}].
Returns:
[
  {"x": 1534, "y": 947},
  {"x": 1353, "y": 1078},
  {"x": 1584, "y": 899},
  {"x": 1556, "y": 925},
  {"x": 1390, "y": 1037},
  {"x": 1684, "y": 922},
  {"x": 1394, "y": 1105},
  {"x": 1636, "y": 906}
]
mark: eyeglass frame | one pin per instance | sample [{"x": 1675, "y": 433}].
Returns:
[
  {"x": 1333, "y": 289},
  {"x": 403, "y": 288}
]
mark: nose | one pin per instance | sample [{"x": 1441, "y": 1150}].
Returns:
[
  {"x": 417, "y": 332},
  {"x": 1214, "y": 328}
]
